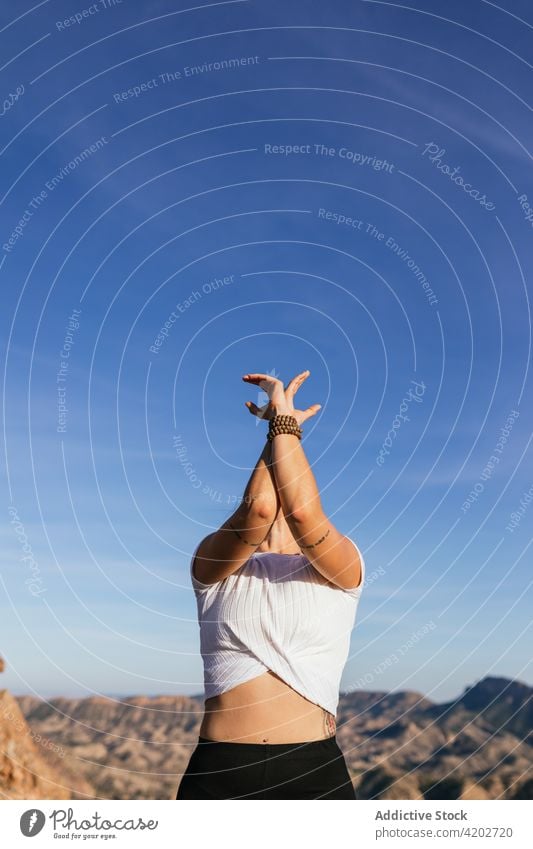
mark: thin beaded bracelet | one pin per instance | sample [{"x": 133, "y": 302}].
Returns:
[{"x": 283, "y": 423}]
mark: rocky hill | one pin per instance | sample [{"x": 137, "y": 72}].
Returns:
[
  {"x": 397, "y": 745},
  {"x": 31, "y": 765}
]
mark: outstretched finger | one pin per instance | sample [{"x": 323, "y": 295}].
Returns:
[
  {"x": 296, "y": 382},
  {"x": 255, "y": 410},
  {"x": 255, "y": 378},
  {"x": 312, "y": 411}
]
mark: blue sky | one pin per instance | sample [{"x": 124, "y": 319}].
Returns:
[{"x": 299, "y": 206}]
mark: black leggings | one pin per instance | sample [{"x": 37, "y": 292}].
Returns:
[{"x": 227, "y": 770}]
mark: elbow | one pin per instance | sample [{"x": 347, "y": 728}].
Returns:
[
  {"x": 263, "y": 507},
  {"x": 301, "y": 516}
]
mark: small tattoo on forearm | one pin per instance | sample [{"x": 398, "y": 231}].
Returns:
[
  {"x": 317, "y": 542},
  {"x": 254, "y": 544}
]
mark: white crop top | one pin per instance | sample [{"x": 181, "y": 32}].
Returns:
[{"x": 274, "y": 613}]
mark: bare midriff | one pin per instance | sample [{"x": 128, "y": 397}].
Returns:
[{"x": 265, "y": 710}]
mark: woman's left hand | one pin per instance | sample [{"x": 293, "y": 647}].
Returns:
[{"x": 281, "y": 399}]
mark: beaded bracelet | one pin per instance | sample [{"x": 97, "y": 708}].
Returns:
[{"x": 283, "y": 423}]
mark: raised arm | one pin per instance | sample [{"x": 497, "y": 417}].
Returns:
[
  {"x": 225, "y": 550},
  {"x": 330, "y": 552}
]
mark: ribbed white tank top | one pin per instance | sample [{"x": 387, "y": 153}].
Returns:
[{"x": 275, "y": 613}]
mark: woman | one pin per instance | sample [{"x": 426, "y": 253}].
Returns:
[{"x": 277, "y": 589}]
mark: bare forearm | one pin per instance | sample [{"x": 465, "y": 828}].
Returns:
[
  {"x": 223, "y": 551},
  {"x": 261, "y": 487},
  {"x": 260, "y": 502},
  {"x": 295, "y": 481}
]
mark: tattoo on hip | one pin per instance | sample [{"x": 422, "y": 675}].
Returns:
[{"x": 330, "y": 725}]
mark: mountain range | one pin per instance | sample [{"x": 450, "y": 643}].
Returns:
[{"x": 397, "y": 745}]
